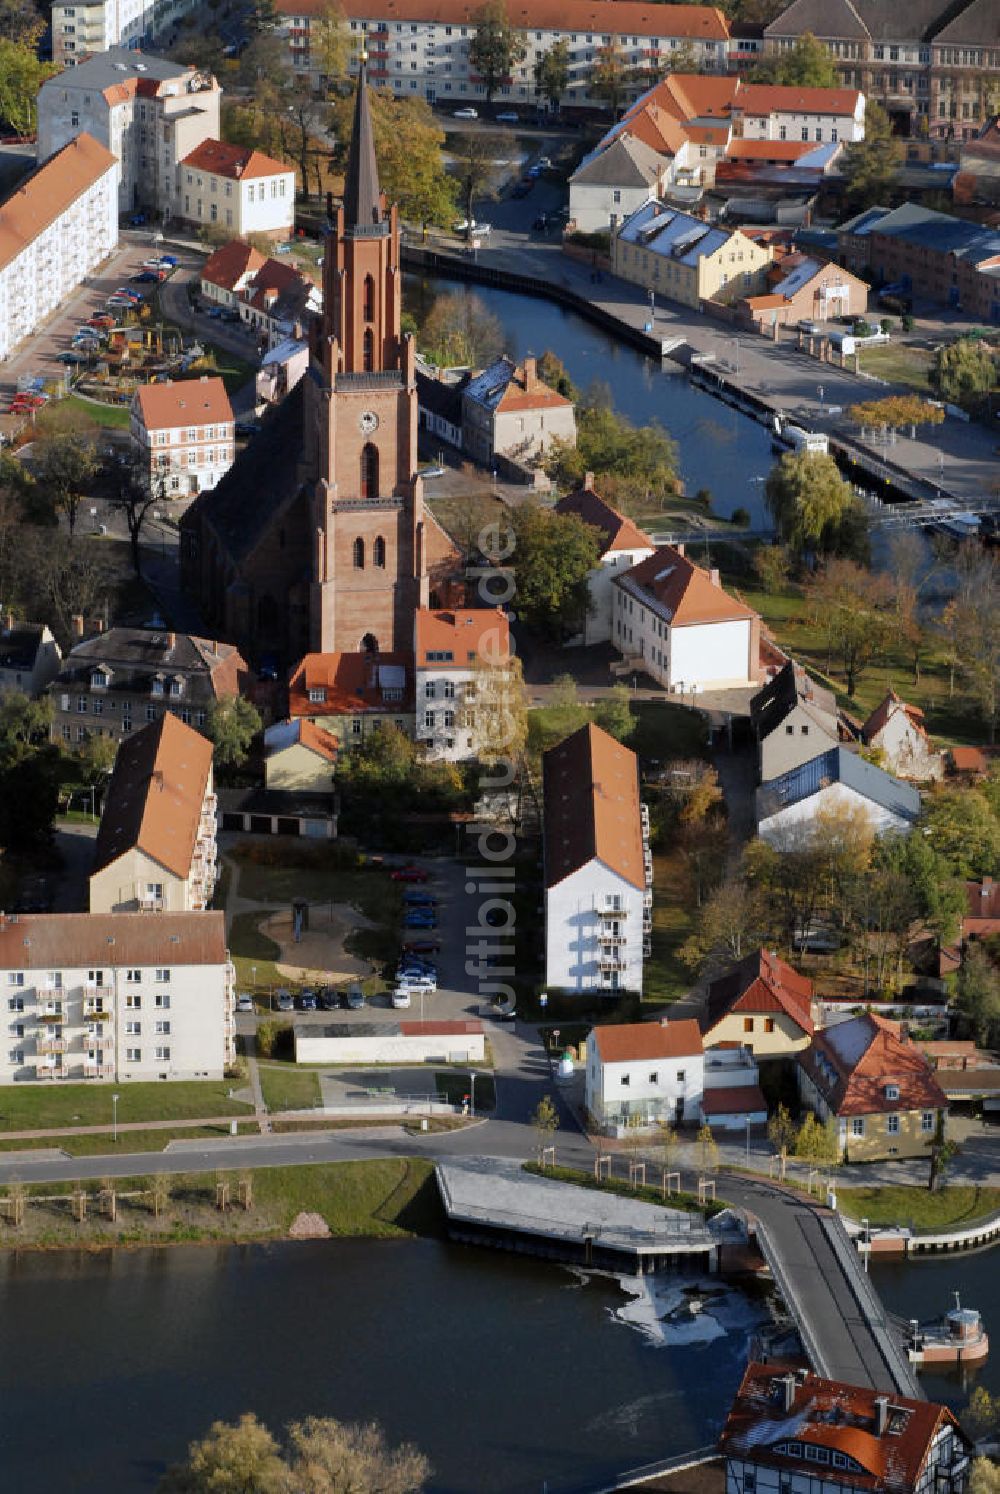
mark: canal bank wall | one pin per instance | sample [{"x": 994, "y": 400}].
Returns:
[{"x": 904, "y": 1241}]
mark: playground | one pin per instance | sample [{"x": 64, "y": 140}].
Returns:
[{"x": 310, "y": 939}]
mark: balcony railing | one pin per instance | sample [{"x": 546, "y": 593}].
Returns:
[
  {"x": 92, "y": 991},
  {"x": 612, "y": 962},
  {"x": 98, "y": 1070},
  {"x": 103, "y": 1044},
  {"x": 150, "y": 904},
  {"x": 50, "y": 1071},
  {"x": 51, "y": 1045},
  {"x": 607, "y": 910}
]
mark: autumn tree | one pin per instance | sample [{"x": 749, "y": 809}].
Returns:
[
  {"x": 496, "y": 712},
  {"x": 21, "y": 22},
  {"x": 459, "y": 331},
  {"x": 896, "y": 412},
  {"x": 409, "y": 147},
  {"x": 974, "y": 610},
  {"x": 635, "y": 465},
  {"x": 808, "y": 500},
  {"x": 817, "y": 1142},
  {"x": 943, "y": 1152},
  {"x": 135, "y": 499},
  {"x": 65, "y": 461},
  {"x": 554, "y": 556},
  {"x": 781, "y": 1131},
  {"x": 964, "y": 830},
  {"x": 870, "y": 166},
  {"x": 613, "y": 713},
  {"x": 477, "y": 159},
  {"x": 807, "y": 64},
  {"x": 978, "y": 998},
  {"x": 706, "y": 1150},
  {"x": 772, "y": 565},
  {"x": 851, "y": 605},
  {"x": 730, "y": 924},
  {"x": 985, "y": 1477},
  {"x": 965, "y": 371},
  {"x": 233, "y": 722},
  {"x": 545, "y": 1120},
  {"x": 552, "y": 72},
  {"x": 330, "y": 43},
  {"x": 21, "y": 76},
  {"x": 496, "y": 48},
  {"x": 610, "y": 76}
]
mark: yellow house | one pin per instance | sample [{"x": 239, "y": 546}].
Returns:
[
  {"x": 685, "y": 259},
  {"x": 878, "y": 1089},
  {"x": 299, "y": 758},
  {"x": 155, "y": 847},
  {"x": 761, "y": 1004}
]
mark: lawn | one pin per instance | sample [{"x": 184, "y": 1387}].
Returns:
[
  {"x": 465, "y": 516},
  {"x": 234, "y": 370},
  {"x": 663, "y": 729},
  {"x": 899, "y": 363},
  {"x": 111, "y": 416},
  {"x": 35, "y": 1107},
  {"x": 253, "y": 951},
  {"x": 286, "y": 1087},
  {"x": 784, "y": 614},
  {"x": 382, "y": 1198},
  {"x": 954, "y": 1207},
  {"x": 664, "y": 978},
  {"x": 128, "y": 1141}
]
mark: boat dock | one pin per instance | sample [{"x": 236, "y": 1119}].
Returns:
[{"x": 492, "y": 1201}]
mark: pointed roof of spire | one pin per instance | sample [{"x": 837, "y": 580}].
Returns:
[{"x": 362, "y": 194}]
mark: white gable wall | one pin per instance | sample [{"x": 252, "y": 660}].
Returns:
[
  {"x": 576, "y": 931},
  {"x": 790, "y": 825},
  {"x": 597, "y": 628},
  {"x": 644, "y": 1091},
  {"x": 710, "y": 655}
]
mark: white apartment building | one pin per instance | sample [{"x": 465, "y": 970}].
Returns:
[
  {"x": 768, "y": 111},
  {"x": 184, "y": 434},
  {"x": 623, "y": 544},
  {"x": 115, "y": 996},
  {"x": 58, "y": 225},
  {"x": 421, "y": 47},
  {"x": 156, "y": 847},
  {"x": 149, "y": 113},
  {"x": 237, "y": 188},
  {"x": 84, "y": 26},
  {"x": 598, "y": 867},
  {"x": 644, "y": 1074},
  {"x": 454, "y": 649},
  {"x": 673, "y": 621}
]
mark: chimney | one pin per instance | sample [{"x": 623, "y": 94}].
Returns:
[
  {"x": 881, "y": 1414},
  {"x": 76, "y": 622},
  {"x": 789, "y": 1385},
  {"x": 588, "y": 482},
  {"x": 680, "y": 549},
  {"x": 713, "y": 576},
  {"x": 530, "y": 372},
  {"x": 99, "y": 625},
  {"x": 171, "y": 640}
]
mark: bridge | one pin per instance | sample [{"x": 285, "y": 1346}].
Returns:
[{"x": 844, "y": 1328}]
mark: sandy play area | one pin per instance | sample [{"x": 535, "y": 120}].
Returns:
[{"x": 319, "y": 954}]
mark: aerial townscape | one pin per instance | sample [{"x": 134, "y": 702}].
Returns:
[{"x": 499, "y": 764}]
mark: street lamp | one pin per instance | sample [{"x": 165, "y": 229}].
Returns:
[
  {"x": 253, "y": 972},
  {"x": 819, "y": 391},
  {"x": 114, "y": 1119},
  {"x": 472, "y": 1092}
]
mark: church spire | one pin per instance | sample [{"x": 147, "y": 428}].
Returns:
[{"x": 362, "y": 195}]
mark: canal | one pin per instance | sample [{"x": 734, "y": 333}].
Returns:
[
  {"x": 506, "y": 1372},
  {"x": 719, "y": 449}
]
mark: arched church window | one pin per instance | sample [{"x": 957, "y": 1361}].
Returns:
[
  {"x": 359, "y": 554},
  {"x": 369, "y": 470},
  {"x": 369, "y": 298},
  {"x": 369, "y": 350},
  {"x": 378, "y": 553}
]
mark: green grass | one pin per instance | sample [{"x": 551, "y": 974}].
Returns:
[
  {"x": 899, "y": 363},
  {"x": 665, "y": 730},
  {"x": 251, "y": 950},
  {"x": 664, "y": 977},
  {"x": 383, "y": 1198},
  {"x": 955, "y": 1207},
  {"x": 620, "y": 1186},
  {"x": 233, "y": 370},
  {"x": 111, "y": 416},
  {"x": 128, "y": 1141},
  {"x": 288, "y": 1088},
  {"x": 36, "y": 1107}
]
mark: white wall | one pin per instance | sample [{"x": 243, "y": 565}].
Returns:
[
  {"x": 573, "y": 927},
  {"x": 590, "y": 207},
  {"x": 711, "y": 655},
  {"x": 650, "y": 1088},
  {"x": 597, "y": 628},
  {"x": 312, "y": 1046},
  {"x": 787, "y": 827},
  {"x": 272, "y": 209}
]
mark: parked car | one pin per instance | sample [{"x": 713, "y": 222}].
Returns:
[
  {"x": 508, "y": 116},
  {"x": 70, "y": 357},
  {"x": 170, "y": 260},
  {"x": 244, "y": 1002},
  {"x": 307, "y": 1001},
  {"x": 355, "y": 999},
  {"x": 426, "y": 983},
  {"x": 283, "y": 1000},
  {"x": 411, "y": 874},
  {"x": 422, "y": 946},
  {"x": 137, "y": 220},
  {"x": 401, "y": 998},
  {"x": 417, "y": 918},
  {"x": 476, "y": 230},
  {"x": 426, "y": 472},
  {"x": 328, "y": 999},
  {"x": 151, "y": 264},
  {"x": 145, "y": 277},
  {"x": 466, "y": 114},
  {"x": 101, "y": 320},
  {"x": 419, "y": 899}
]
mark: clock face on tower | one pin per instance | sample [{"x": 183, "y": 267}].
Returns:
[{"x": 368, "y": 422}]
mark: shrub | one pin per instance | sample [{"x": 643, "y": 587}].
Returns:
[
  {"x": 741, "y": 517},
  {"x": 906, "y": 323}
]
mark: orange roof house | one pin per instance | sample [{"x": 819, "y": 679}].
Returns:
[
  {"x": 762, "y": 1003},
  {"x": 618, "y": 532},
  {"x": 507, "y": 410},
  {"x": 237, "y": 162},
  {"x": 460, "y": 638},
  {"x": 897, "y": 729},
  {"x": 786, "y": 1421},
  {"x": 231, "y": 267},
  {"x": 184, "y": 403},
  {"x": 591, "y": 807},
  {"x": 338, "y": 690},
  {"x": 49, "y": 192},
  {"x": 631, "y": 1042}
]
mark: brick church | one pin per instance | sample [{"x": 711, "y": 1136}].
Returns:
[{"x": 317, "y": 539}]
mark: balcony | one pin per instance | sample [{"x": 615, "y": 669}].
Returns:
[
  {"x": 98, "y": 1070},
  {"x": 150, "y": 904},
  {"x": 50, "y": 1071},
  {"x": 102, "y": 1044},
  {"x": 96, "y": 990},
  {"x": 608, "y": 910},
  {"x": 51, "y": 1045},
  {"x": 612, "y": 962},
  {"x": 52, "y": 1014}
]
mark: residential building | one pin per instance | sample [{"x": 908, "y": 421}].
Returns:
[
  {"x": 280, "y": 301},
  {"x": 57, "y": 226},
  {"x": 456, "y": 650},
  {"x": 926, "y": 254},
  {"x": 317, "y": 539},
  {"x": 440, "y": 406},
  {"x": 229, "y": 269},
  {"x": 896, "y": 730},
  {"x": 597, "y": 865},
  {"x": 148, "y": 112},
  {"x": 81, "y": 27},
  {"x": 971, "y": 763},
  {"x": 982, "y": 920},
  {"x": 769, "y": 111},
  {"x": 798, "y": 288},
  {"x": 420, "y": 48},
  {"x": 237, "y": 187},
  {"x": 673, "y": 620},
  {"x": 836, "y": 779},
  {"x": 877, "y": 1088},
  {"x": 280, "y": 370},
  {"x": 507, "y": 410},
  {"x": 761, "y": 1004},
  {"x": 686, "y": 259},
  {"x": 29, "y": 657},
  {"x": 931, "y": 64},
  {"x": 617, "y": 180},
  {"x": 116, "y": 682},
  {"x": 183, "y": 434},
  {"x": 789, "y": 1429},
  {"x": 299, "y": 758},
  {"x": 156, "y": 846},
  {"x": 462, "y": 1041},
  {"x": 622, "y": 545},
  {"x": 644, "y": 1074},
  {"x": 792, "y": 719},
  {"x": 979, "y": 177},
  {"x": 350, "y": 696},
  {"x": 116, "y": 996},
  {"x": 732, "y": 1099}
]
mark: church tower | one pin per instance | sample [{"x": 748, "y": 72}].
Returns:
[{"x": 369, "y": 569}]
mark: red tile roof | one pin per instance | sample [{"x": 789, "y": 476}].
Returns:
[
  {"x": 186, "y": 402},
  {"x": 352, "y": 684},
  {"x": 155, "y": 796},
  {"x": 590, "y": 787},
  {"x": 853, "y": 1063},
  {"x": 467, "y": 1028},
  {"x": 232, "y": 263},
  {"x": 235, "y": 161},
  {"x": 885, "y": 710},
  {"x": 760, "y": 984},
  {"x": 976, "y": 760},
  {"x": 686, "y": 592},
  {"x": 46, "y": 941},
  {"x": 52, "y": 188},
  {"x": 468, "y": 635},
  {"x": 779, "y": 98},
  {"x": 741, "y": 149},
  {"x": 629, "y": 1042},
  {"x": 740, "y": 1099},
  {"x": 983, "y": 917},
  {"x": 617, "y": 531},
  {"x": 699, "y": 22},
  {"x": 841, "y": 1418}
]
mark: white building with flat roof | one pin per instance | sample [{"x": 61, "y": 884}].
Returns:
[
  {"x": 56, "y": 227},
  {"x": 80, "y": 27},
  {"x": 115, "y": 996}
]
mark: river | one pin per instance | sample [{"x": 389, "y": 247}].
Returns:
[
  {"x": 505, "y": 1371},
  {"x": 718, "y": 448}
]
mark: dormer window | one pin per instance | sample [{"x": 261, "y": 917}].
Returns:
[
  {"x": 176, "y": 687},
  {"x": 157, "y": 686},
  {"x": 100, "y": 678},
  {"x": 892, "y": 1091},
  {"x": 317, "y": 694}
]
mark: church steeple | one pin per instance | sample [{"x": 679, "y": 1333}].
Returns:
[{"x": 362, "y": 194}]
